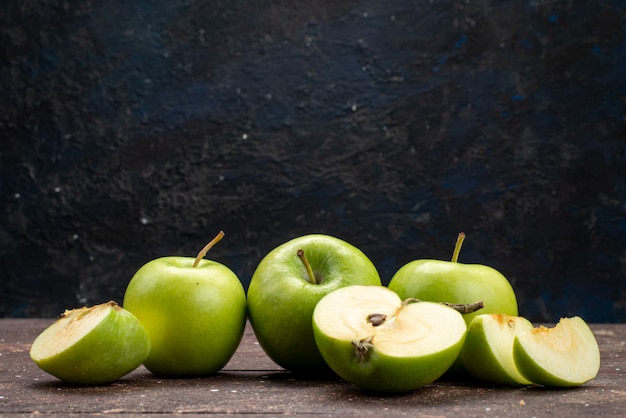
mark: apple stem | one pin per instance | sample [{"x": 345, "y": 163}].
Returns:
[
  {"x": 409, "y": 300},
  {"x": 463, "y": 308},
  {"x": 457, "y": 247},
  {"x": 307, "y": 266},
  {"x": 207, "y": 247},
  {"x": 362, "y": 347}
]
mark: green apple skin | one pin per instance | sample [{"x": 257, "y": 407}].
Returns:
[
  {"x": 488, "y": 350},
  {"x": 281, "y": 299},
  {"x": 195, "y": 316},
  {"x": 446, "y": 281},
  {"x": 382, "y": 370},
  {"x": 92, "y": 346},
  {"x": 566, "y": 355}
]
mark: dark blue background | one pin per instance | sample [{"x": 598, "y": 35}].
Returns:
[{"x": 137, "y": 129}]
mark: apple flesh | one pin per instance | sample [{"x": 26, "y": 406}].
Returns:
[
  {"x": 371, "y": 338},
  {"x": 92, "y": 346},
  {"x": 565, "y": 355},
  {"x": 488, "y": 350},
  {"x": 288, "y": 283},
  {"x": 194, "y": 311}
]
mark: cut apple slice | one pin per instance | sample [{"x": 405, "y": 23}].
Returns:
[
  {"x": 92, "y": 346},
  {"x": 563, "y": 356},
  {"x": 488, "y": 349},
  {"x": 373, "y": 339}
]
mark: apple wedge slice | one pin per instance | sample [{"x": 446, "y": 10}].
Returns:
[
  {"x": 563, "y": 356},
  {"x": 369, "y": 337},
  {"x": 488, "y": 350},
  {"x": 92, "y": 346}
]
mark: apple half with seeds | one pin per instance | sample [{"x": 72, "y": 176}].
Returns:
[
  {"x": 488, "y": 350},
  {"x": 371, "y": 338},
  {"x": 565, "y": 355},
  {"x": 92, "y": 346}
]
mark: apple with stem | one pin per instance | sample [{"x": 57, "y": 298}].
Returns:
[
  {"x": 565, "y": 355},
  {"x": 488, "y": 350},
  {"x": 92, "y": 346},
  {"x": 194, "y": 310},
  {"x": 454, "y": 282},
  {"x": 372, "y": 338},
  {"x": 286, "y": 286}
]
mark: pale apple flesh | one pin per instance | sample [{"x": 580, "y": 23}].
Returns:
[
  {"x": 92, "y": 346},
  {"x": 565, "y": 355},
  {"x": 488, "y": 350},
  {"x": 370, "y": 338}
]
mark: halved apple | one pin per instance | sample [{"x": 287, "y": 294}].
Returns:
[
  {"x": 92, "y": 346},
  {"x": 488, "y": 349},
  {"x": 370, "y": 337},
  {"x": 563, "y": 356}
]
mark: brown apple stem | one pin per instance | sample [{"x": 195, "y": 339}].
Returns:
[
  {"x": 307, "y": 266},
  {"x": 457, "y": 246},
  {"x": 362, "y": 347},
  {"x": 464, "y": 308},
  {"x": 410, "y": 300},
  {"x": 207, "y": 247}
]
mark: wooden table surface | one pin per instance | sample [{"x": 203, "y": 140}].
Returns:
[{"x": 251, "y": 384}]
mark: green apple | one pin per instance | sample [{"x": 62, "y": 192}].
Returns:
[
  {"x": 193, "y": 309},
  {"x": 371, "y": 338},
  {"x": 565, "y": 355},
  {"x": 488, "y": 350},
  {"x": 92, "y": 346},
  {"x": 286, "y": 286},
  {"x": 454, "y": 282}
]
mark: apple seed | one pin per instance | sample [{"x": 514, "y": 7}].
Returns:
[{"x": 376, "y": 319}]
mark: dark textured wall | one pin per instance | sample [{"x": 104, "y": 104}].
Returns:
[{"x": 137, "y": 129}]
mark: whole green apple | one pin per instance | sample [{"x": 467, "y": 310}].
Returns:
[
  {"x": 373, "y": 339},
  {"x": 454, "y": 282},
  {"x": 286, "y": 286},
  {"x": 92, "y": 346},
  {"x": 565, "y": 355},
  {"x": 193, "y": 309}
]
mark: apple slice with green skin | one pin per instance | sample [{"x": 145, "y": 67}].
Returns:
[
  {"x": 92, "y": 346},
  {"x": 488, "y": 350},
  {"x": 286, "y": 286},
  {"x": 371, "y": 338},
  {"x": 193, "y": 309},
  {"x": 454, "y": 282},
  {"x": 565, "y": 355}
]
